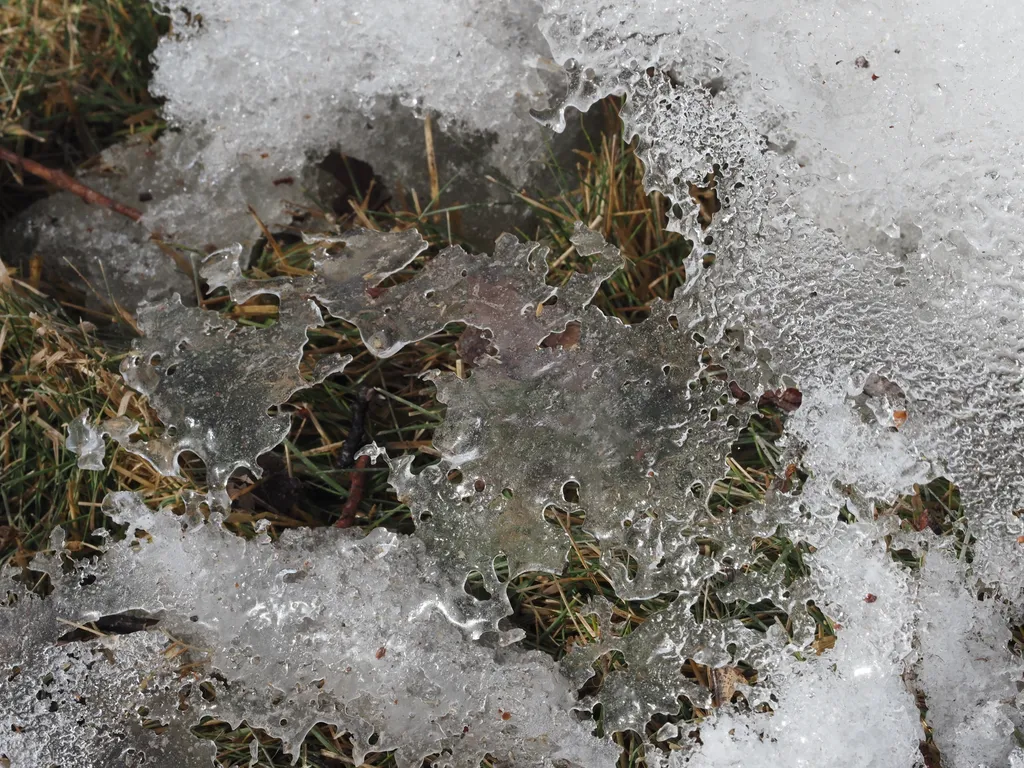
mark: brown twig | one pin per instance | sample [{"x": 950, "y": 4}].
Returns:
[
  {"x": 63, "y": 181},
  {"x": 353, "y": 442},
  {"x": 355, "y": 493}
]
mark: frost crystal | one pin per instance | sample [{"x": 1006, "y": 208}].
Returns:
[
  {"x": 353, "y": 632},
  {"x": 212, "y": 383}
]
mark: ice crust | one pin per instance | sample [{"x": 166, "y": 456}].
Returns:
[
  {"x": 287, "y": 80},
  {"x": 855, "y": 250},
  {"x": 115, "y": 260},
  {"x": 212, "y": 382},
  {"x": 866, "y": 251},
  {"x": 321, "y": 626},
  {"x": 850, "y": 706}
]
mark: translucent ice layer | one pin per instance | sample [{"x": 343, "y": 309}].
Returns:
[
  {"x": 113, "y": 259},
  {"x": 212, "y": 382},
  {"x": 505, "y": 294},
  {"x": 849, "y": 177}
]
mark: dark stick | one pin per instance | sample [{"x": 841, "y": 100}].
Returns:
[
  {"x": 355, "y": 493},
  {"x": 63, "y": 181},
  {"x": 354, "y": 440}
]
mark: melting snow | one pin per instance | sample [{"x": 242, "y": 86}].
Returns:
[{"x": 852, "y": 172}]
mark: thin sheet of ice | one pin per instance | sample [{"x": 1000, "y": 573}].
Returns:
[
  {"x": 113, "y": 259},
  {"x": 213, "y": 382}
]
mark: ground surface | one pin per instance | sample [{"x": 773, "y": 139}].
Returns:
[{"x": 74, "y": 82}]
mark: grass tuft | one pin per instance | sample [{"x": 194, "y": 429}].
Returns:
[{"x": 73, "y": 80}]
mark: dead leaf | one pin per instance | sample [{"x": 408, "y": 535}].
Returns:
[
  {"x": 824, "y": 643},
  {"x": 723, "y": 684}
]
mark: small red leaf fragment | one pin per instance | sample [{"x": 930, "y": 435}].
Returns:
[
  {"x": 870, "y": 598},
  {"x": 380, "y": 652}
]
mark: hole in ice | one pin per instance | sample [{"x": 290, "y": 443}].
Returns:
[
  {"x": 566, "y": 339},
  {"x": 936, "y": 507},
  {"x": 475, "y": 344},
  {"x": 263, "y": 310},
  {"x": 500, "y": 567},
  {"x": 479, "y": 485},
  {"x": 604, "y": 664},
  {"x": 474, "y": 587},
  {"x": 347, "y": 182},
  {"x": 706, "y": 197},
  {"x": 455, "y": 477},
  {"x": 563, "y": 519},
  {"x": 571, "y": 492}
]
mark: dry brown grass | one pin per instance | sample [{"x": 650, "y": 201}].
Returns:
[{"x": 73, "y": 79}]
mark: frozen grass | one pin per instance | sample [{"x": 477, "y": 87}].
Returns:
[{"x": 51, "y": 369}]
